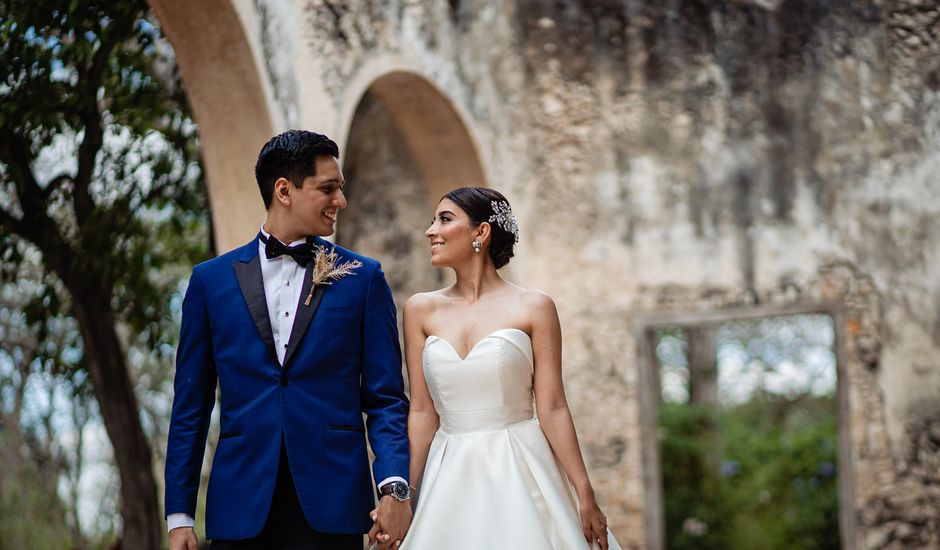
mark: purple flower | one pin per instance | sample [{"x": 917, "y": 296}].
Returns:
[{"x": 730, "y": 468}]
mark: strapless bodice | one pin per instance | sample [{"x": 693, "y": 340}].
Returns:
[
  {"x": 487, "y": 390},
  {"x": 490, "y": 459}
]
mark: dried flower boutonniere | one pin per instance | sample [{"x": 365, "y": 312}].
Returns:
[{"x": 326, "y": 270}]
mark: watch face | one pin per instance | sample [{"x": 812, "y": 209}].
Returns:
[{"x": 401, "y": 491}]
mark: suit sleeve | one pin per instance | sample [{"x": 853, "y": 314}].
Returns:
[
  {"x": 383, "y": 392},
  {"x": 193, "y": 399}
]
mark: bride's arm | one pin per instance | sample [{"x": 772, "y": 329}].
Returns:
[
  {"x": 554, "y": 416},
  {"x": 422, "y": 417}
]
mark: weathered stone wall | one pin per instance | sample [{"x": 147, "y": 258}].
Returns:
[
  {"x": 726, "y": 147},
  {"x": 665, "y": 156},
  {"x": 388, "y": 210},
  {"x": 903, "y": 514}
]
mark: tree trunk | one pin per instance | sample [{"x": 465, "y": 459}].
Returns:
[
  {"x": 703, "y": 366},
  {"x": 703, "y": 378},
  {"x": 118, "y": 405}
]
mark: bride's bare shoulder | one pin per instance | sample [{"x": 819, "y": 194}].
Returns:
[
  {"x": 424, "y": 302},
  {"x": 533, "y": 301}
]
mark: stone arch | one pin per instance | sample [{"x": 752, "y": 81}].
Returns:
[
  {"x": 434, "y": 130},
  {"x": 406, "y": 144},
  {"x": 229, "y": 104}
]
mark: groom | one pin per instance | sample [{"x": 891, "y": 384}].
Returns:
[{"x": 301, "y": 344}]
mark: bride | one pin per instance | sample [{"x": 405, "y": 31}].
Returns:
[{"x": 494, "y": 473}]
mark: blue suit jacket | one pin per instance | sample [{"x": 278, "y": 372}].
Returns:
[{"x": 342, "y": 360}]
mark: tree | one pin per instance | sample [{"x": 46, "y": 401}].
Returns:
[
  {"x": 34, "y": 458},
  {"x": 99, "y": 178}
]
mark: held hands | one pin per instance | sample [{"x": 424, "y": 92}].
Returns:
[
  {"x": 183, "y": 538},
  {"x": 593, "y": 523},
  {"x": 392, "y": 519}
]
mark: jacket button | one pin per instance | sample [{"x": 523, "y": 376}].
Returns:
[{"x": 283, "y": 381}]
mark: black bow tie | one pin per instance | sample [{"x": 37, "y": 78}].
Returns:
[{"x": 301, "y": 253}]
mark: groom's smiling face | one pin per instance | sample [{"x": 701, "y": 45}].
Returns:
[{"x": 315, "y": 205}]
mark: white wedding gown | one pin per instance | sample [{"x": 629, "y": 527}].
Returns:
[{"x": 491, "y": 480}]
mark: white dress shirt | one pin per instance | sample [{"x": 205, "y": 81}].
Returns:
[{"x": 283, "y": 278}]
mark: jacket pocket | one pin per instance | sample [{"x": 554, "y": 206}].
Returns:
[
  {"x": 227, "y": 435},
  {"x": 346, "y": 428}
]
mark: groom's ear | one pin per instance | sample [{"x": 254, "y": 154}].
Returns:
[{"x": 282, "y": 191}]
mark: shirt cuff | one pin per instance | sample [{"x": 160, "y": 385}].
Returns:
[
  {"x": 179, "y": 519},
  {"x": 388, "y": 480}
]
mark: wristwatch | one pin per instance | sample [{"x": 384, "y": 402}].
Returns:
[{"x": 398, "y": 490}]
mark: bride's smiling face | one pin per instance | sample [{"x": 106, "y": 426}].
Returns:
[{"x": 450, "y": 235}]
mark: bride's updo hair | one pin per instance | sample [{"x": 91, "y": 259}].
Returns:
[{"x": 478, "y": 203}]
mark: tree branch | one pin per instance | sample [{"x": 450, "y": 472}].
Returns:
[
  {"x": 55, "y": 183},
  {"x": 156, "y": 190},
  {"x": 17, "y": 226},
  {"x": 91, "y": 120},
  {"x": 16, "y": 154},
  {"x": 35, "y": 226},
  {"x": 38, "y": 228}
]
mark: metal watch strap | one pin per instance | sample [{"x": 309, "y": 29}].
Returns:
[{"x": 397, "y": 490}]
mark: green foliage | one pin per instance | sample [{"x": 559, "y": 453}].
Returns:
[
  {"x": 773, "y": 486},
  {"x": 124, "y": 210},
  {"x": 102, "y": 199},
  {"x": 30, "y": 515},
  {"x": 50, "y": 49},
  {"x": 70, "y": 71}
]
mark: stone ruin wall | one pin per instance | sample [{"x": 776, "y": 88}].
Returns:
[{"x": 674, "y": 156}]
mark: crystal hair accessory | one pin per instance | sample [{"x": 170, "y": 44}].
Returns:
[{"x": 502, "y": 215}]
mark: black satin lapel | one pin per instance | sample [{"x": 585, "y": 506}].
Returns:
[
  {"x": 305, "y": 312},
  {"x": 249, "y": 279}
]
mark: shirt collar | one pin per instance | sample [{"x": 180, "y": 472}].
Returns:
[{"x": 268, "y": 235}]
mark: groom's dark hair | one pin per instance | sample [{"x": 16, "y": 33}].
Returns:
[{"x": 290, "y": 155}]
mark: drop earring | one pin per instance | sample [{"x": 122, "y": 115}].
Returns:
[{"x": 477, "y": 246}]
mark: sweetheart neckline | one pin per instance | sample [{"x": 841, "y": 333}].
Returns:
[{"x": 474, "y": 346}]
